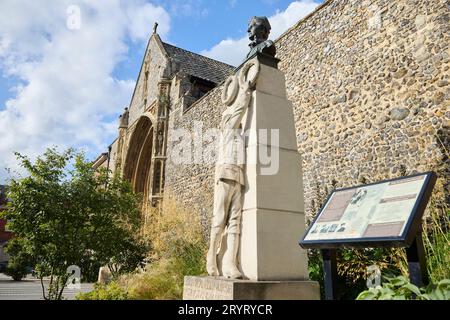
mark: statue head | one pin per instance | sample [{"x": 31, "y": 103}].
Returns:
[{"x": 258, "y": 30}]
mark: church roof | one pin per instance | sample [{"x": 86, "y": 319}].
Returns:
[{"x": 197, "y": 65}]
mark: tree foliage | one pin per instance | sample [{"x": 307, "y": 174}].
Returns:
[{"x": 67, "y": 213}]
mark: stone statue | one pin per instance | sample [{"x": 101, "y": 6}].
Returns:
[
  {"x": 258, "y": 213},
  {"x": 258, "y": 33},
  {"x": 229, "y": 176},
  {"x": 124, "y": 118}
]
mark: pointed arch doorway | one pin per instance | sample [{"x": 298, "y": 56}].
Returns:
[{"x": 138, "y": 161}]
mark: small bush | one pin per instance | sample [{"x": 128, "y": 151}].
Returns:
[
  {"x": 399, "y": 288},
  {"x": 20, "y": 261},
  {"x": 111, "y": 291},
  {"x": 162, "y": 280},
  {"x": 16, "y": 269},
  {"x": 315, "y": 269}
]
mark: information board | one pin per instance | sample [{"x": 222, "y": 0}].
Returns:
[{"x": 387, "y": 213}]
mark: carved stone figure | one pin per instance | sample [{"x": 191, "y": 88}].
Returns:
[
  {"x": 124, "y": 118},
  {"x": 229, "y": 176},
  {"x": 258, "y": 199},
  {"x": 258, "y": 33}
]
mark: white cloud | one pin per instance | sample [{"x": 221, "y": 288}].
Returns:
[
  {"x": 140, "y": 18},
  {"x": 67, "y": 94},
  {"x": 187, "y": 8},
  {"x": 233, "y": 51}
]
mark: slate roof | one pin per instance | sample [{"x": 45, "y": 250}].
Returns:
[{"x": 198, "y": 65}]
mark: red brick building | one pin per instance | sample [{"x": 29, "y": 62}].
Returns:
[{"x": 4, "y": 234}]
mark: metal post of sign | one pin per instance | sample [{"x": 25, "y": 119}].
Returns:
[
  {"x": 417, "y": 266},
  {"x": 330, "y": 273}
]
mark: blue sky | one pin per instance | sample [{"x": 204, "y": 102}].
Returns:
[
  {"x": 68, "y": 67},
  {"x": 212, "y": 21},
  {"x": 199, "y": 25}
]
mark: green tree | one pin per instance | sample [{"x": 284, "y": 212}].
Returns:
[{"x": 67, "y": 213}]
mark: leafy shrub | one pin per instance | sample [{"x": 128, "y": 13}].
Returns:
[
  {"x": 16, "y": 269},
  {"x": 19, "y": 262},
  {"x": 111, "y": 291},
  {"x": 162, "y": 279},
  {"x": 315, "y": 269},
  {"x": 399, "y": 288}
]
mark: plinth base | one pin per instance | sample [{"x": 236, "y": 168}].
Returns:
[{"x": 212, "y": 288}]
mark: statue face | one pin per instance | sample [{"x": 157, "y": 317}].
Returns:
[{"x": 257, "y": 33}]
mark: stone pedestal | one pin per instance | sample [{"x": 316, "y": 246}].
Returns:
[
  {"x": 273, "y": 264},
  {"x": 209, "y": 288},
  {"x": 273, "y": 213}
]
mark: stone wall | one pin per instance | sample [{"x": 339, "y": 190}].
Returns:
[
  {"x": 114, "y": 155},
  {"x": 369, "y": 85},
  {"x": 193, "y": 184}
]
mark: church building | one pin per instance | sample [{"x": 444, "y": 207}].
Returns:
[{"x": 170, "y": 78}]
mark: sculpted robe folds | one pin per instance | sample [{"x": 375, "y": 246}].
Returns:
[{"x": 231, "y": 153}]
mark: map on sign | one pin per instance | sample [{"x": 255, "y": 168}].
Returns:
[{"x": 372, "y": 211}]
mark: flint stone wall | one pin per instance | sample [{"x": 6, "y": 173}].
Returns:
[{"x": 369, "y": 84}]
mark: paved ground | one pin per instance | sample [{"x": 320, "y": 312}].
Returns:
[{"x": 30, "y": 289}]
